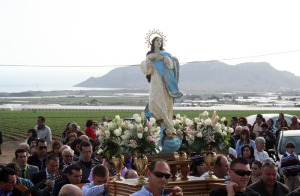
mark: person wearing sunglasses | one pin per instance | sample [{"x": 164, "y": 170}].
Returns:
[
  {"x": 243, "y": 121},
  {"x": 67, "y": 158},
  {"x": 239, "y": 173},
  {"x": 268, "y": 184},
  {"x": 158, "y": 174},
  {"x": 39, "y": 159}
]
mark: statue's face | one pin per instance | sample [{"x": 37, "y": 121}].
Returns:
[{"x": 157, "y": 43}]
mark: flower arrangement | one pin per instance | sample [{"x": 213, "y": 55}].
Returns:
[
  {"x": 109, "y": 137},
  {"x": 129, "y": 136},
  {"x": 181, "y": 124},
  {"x": 204, "y": 131},
  {"x": 141, "y": 136}
]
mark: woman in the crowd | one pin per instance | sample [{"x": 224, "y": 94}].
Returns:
[
  {"x": 248, "y": 153},
  {"x": 32, "y": 147},
  {"x": 259, "y": 152},
  {"x": 278, "y": 121},
  {"x": 256, "y": 172},
  {"x": 295, "y": 124},
  {"x": 198, "y": 167},
  {"x": 284, "y": 124},
  {"x": 243, "y": 121},
  {"x": 96, "y": 126},
  {"x": 75, "y": 145},
  {"x": 55, "y": 148},
  {"x": 32, "y": 135},
  {"x": 282, "y": 127},
  {"x": 237, "y": 133},
  {"x": 244, "y": 139},
  {"x": 70, "y": 138},
  {"x": 64, "y": 134},
  {"x": 89, "y": 131}
]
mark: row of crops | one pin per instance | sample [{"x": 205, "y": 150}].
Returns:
[{"x": 14, "y": 124}]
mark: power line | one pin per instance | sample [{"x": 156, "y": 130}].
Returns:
[
  {"x": 86, "y": 66},
  {"x": 270, "y": 54}
]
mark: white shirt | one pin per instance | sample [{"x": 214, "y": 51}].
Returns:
[{"x": 261, "y": 156}]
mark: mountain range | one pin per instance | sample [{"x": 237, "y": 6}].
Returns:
[{"x": 206, "y": 77}]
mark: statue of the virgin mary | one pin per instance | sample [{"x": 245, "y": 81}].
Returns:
[{"x": 162, "y": 72}]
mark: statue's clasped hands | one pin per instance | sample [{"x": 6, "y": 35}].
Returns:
[{"x": 155, "y": 57}]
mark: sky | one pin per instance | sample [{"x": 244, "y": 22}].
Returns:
[{"x": 94, "y": 37}]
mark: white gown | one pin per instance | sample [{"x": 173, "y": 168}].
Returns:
[{"x": 160, "y": 102}]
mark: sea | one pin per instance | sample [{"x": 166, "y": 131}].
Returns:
[
  {"x": 18, "y": 89},
  {"x": 22, "y": 79}
]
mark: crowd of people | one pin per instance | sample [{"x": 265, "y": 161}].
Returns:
[
  {"x": 250, "y": 167},
  {"x": 42, "y": 166}
]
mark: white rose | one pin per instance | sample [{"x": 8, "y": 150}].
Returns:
[
  {"x": 207, "y": 122},
  {"x": 117, "y": 132},
  {"x": 138, "y": 119},
  {"x": 199, "y": 135},
  {"x": 139, "y": 128},
  {"x": 126, "y": 132},
  {"x": 230, "y": 130},
  {"x": 140, "y": 135},
  {"x": 110, "y": 125},
  {"x": 117, "y": 117},
  {"x": 130, "y": 126},
  {"x": 196, "y": 119},
  {"x": 177, "y": 121},
  {"x": 223, "y": 127},
  {"x": 135, "y": 116},
  {"x": 223, "y": 133},
  {"x": 123, "y": 124},
  {"x": 205, "y": 113},
  {"x": 223, "y": 119},
  {"x": 133, "y": 144},
  {"x": 124, "y": 137},
  {"x": 189, "y": 123},
  {"x": 152, "y": 120},
  {"x": 155, "y": 131},
  {"x": 178, "y": 116},
  {"x": 218, "y": 127},
  {"x": 146, "y": 129}
]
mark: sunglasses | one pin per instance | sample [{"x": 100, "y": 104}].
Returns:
[
  {"x": 42, "y": 147},
  {"x": 240, "y": 172},
  {"x": 161, "y": 175}
]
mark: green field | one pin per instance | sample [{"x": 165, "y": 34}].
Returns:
[{"x": 14, "y": 124}]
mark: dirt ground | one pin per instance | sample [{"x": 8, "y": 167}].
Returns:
[{"x": 8, "y": 151}]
